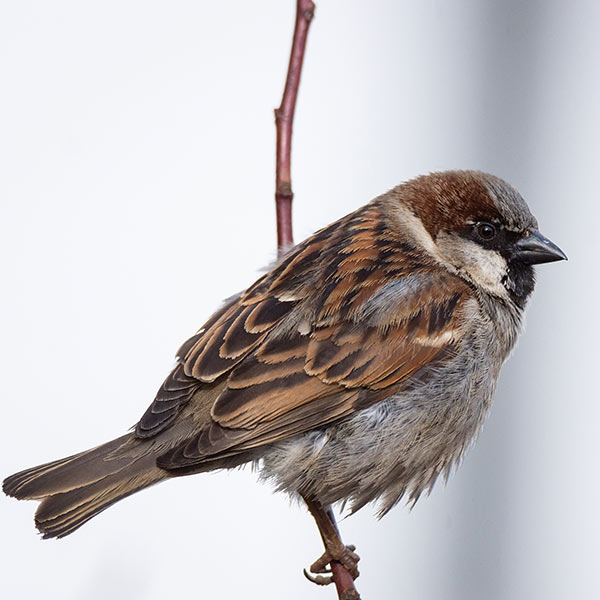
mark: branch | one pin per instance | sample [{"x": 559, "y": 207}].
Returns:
[{"x": 284, "y": 118}]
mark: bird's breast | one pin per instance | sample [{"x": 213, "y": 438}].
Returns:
[{"x": 399, "y": 446}]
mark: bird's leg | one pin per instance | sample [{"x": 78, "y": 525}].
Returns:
[{"x": 342, "y": 559}]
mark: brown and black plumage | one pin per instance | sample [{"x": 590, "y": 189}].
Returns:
[{"x": 359, "y": 368}]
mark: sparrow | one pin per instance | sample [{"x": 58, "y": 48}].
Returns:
[{"x": 358, "y": 369}]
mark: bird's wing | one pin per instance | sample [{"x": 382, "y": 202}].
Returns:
[{"x": 346, "y": 319}]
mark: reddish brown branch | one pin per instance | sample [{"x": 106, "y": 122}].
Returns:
[{"x": 284, "y": 118}]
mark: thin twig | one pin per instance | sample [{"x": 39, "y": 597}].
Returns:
[{"x": 284, "y": 118}]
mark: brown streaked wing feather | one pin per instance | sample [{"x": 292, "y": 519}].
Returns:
[
  {"x": 224, "y": 309},
  {"x": 342, "y": 356},
  {"x": 216, "y": 349},
  {"x": 174, "y": 393},
  {"x": 233, "y": 331},
  {"x": 232, "y": 337},
  {"x": 279, "y": 383},
  {"x": 179, "y": 386},
  {"x": 248, "y": 407},
  {"x": 241, "y": 326},
  {"x": 215, "y": 442}
]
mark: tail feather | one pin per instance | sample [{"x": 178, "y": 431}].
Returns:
[
  {"x": 61, "y": 514},
  {"x": 77, "y": 488},
  {"x": 66, "y": 473}
]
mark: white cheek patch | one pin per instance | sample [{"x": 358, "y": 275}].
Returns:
[
  {"x": 486, "y": 268},
  {"x": 415, "y": 230}
]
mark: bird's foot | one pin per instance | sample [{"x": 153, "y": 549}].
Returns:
[{"x": 345, "y": 555}]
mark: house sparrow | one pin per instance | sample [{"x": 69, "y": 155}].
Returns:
[{"x": 358, "y": 369}]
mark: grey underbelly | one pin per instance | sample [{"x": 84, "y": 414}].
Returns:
[{"x": 396, "y": 448}]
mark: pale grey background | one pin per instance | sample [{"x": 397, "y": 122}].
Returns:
[{"x": 136, "y": 150}]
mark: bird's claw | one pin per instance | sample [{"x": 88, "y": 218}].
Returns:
[
  {"x": 317, "y": 579},
  {"x": 345, "y": 555}
]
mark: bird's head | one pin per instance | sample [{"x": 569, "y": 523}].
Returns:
[{"x": 477, "y": 226}]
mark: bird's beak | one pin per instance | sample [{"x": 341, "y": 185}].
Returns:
[{"x": 536, "y": 249}]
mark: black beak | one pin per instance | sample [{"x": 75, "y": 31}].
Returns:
[{"x": 536, "y": 249}]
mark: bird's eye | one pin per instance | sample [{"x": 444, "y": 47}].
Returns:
[{"x": 486, "y": 231}]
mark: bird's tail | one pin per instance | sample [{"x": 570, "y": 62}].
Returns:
[{"x": 75, "y": 489}]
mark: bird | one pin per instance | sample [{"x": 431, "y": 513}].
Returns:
[{"x": 357, "y": 370}]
